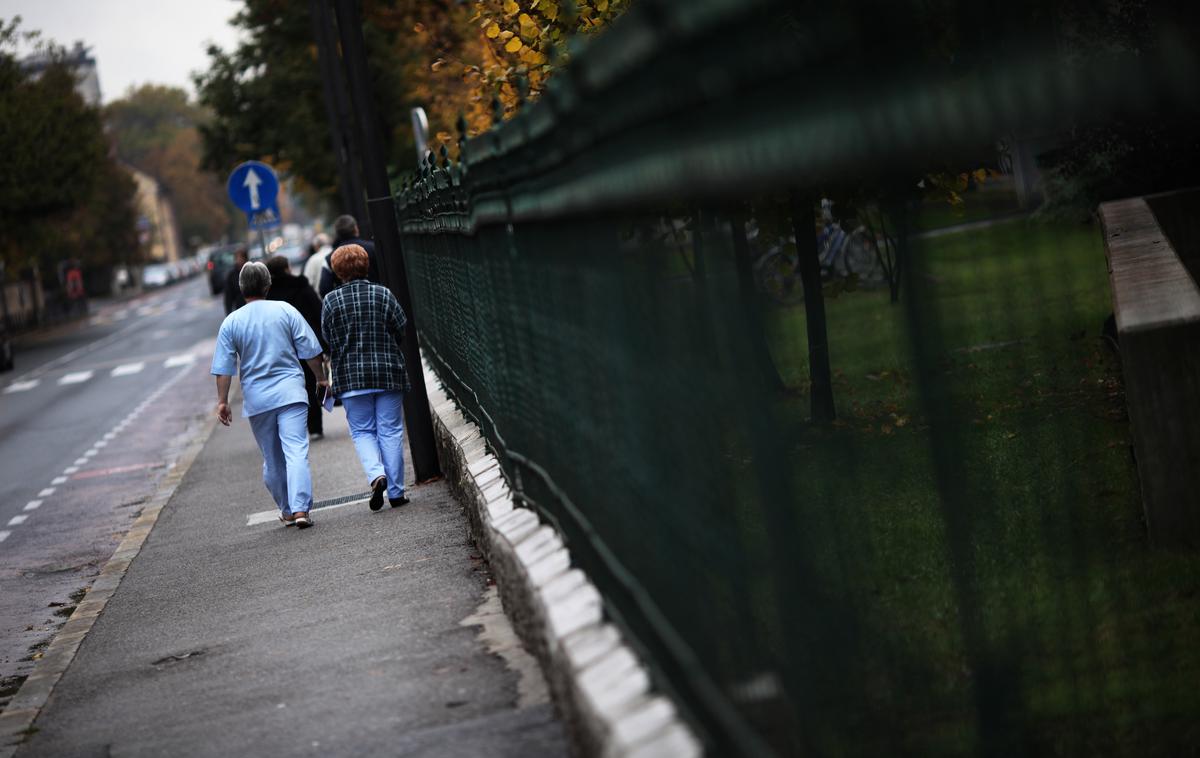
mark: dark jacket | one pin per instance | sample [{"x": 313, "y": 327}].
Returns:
[
  {"x": 233, "y": 291},
  {"x": 364, "y": 325},
  {"x": 298, "y": 293},
  {"x": 329, "y": 281}
]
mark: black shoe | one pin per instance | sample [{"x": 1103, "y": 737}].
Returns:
[
  {"x": 377, "y": 491},
  {"x": 398, "y": 501}
]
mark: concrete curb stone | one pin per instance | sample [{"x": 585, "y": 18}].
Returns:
[{"x": 601, "y": 689}]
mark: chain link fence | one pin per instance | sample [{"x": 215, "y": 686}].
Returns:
[{"x": 755, "y": 306}]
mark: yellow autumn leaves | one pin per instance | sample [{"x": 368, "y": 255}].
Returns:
[{"x": 521, "y": 35}]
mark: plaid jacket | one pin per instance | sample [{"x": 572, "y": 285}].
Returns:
[{"x": 363, "y": 324}]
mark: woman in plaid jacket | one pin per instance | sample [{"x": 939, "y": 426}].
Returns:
[{"x": 363, "y": 324}]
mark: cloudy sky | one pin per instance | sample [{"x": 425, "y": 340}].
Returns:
[{"x": 134, "y": 41}]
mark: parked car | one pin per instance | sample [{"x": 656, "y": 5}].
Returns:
[
  {"x": 220, "y": 262},
  {"x": 157, "y": 275}
]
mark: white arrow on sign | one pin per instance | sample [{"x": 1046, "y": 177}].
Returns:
[{"x": 252, "y": 182}]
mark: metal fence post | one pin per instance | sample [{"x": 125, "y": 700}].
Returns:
[{"x": 382, "y": 211}]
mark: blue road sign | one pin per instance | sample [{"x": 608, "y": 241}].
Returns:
[
  {"x": 264, "y": 218},
  {"x": 252, "y": 187}
]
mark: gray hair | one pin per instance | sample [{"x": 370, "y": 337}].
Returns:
[
  {"x": 345, "y": 227},
  {"x": 254, "y": 280}
]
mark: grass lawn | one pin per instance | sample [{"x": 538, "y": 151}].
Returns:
[{"x": 976, "y": 525}]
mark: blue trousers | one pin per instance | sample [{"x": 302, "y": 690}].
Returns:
[
  {"x": 282, "y": 436},
  {"x": 377, "y": 427}
]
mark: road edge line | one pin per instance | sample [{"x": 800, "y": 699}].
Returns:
[
  {"x": 599, "y": 685},
  {"x": 26, "y": 705}
]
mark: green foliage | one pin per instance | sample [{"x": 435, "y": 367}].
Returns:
[
  {"x": 59, "y": 183},
  {"x": 267, "y": 100}
]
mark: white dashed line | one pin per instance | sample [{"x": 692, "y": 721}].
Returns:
[
  {"x": 128, "y": 368},
  {"x": 80, "y": 461},
  {"x": 58, "y": 480},
  {"x": 179, "y": 360},
  {"x": 21, "y": 386},
  {"x": 90, "y": 453},
  {"x": 110, "y": 435},
  {"x": 75, "y": 377},
  {"x": 46, "y": 492},
  {"x": 33, "y": 505},
  {"x": 4, "y": 535},
  {"x": 18, "y": 519},
  {"x": 100, "y": 443},
  {"x": 70, "y": 470}
]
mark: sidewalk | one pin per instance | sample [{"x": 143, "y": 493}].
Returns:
[{"x": 369, "y": 634}]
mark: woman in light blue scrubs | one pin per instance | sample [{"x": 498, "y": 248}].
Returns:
[
  {"x": 269, "y": 339},
  {"x": 363, "y": 324}
]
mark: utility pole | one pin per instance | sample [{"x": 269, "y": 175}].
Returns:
[
  {"x": 337, "y": 109},
  {"x": 388, "y": 248}
]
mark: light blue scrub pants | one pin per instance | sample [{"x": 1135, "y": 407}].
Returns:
[
  {"x": 282, "y": 436},
  {"x": 377, "y": 427}
]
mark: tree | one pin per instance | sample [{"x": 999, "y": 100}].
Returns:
[
  {"x": 61, "y": 194},
  {"x": 266, "y": 95},
  {"x": 523, "y": 43},
  {"x": 156, "y": 130}
]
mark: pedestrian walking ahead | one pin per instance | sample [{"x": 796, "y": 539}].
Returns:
[
  {"x": 295, "y": 291},
  {"x": 269, "y": 339},
  {"x": 345, "y": 232},
  {"x": 363, "y": 324},
  {"x": 233, "y": 294}
]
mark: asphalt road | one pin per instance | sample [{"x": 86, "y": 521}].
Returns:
[{"x": 91, "y": 418}]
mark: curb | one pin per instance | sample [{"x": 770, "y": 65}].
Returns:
[
  {"x": 600, "y": 687},
  {"x": 25, "y": 706}
]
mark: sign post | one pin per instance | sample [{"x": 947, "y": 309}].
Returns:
[{"x": 253, "y": 187}]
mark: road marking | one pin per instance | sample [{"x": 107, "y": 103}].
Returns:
[
  {"x": 62, "y": 359},
  {"x": 128, "y": 368},
  {"x": 90, "y": 453},
  {"x": 100, "y": 443},
  {"x": 70, "y": 470},
  {"x": 159, "y": 334},
  {"x": 110, "y": 435},
  {"x": 18, "y": 519},
  {"x": 33, "y": 505},
  {"x": 46, "y": 492},
  {"x": 59, "y": 480},
  {"x": 21, "y": 386},
  {"x": 117, "y": 470},
  {"x": 179, "y": 360},
  {"x": 80, "y": 461},
  {"x": 4, "y": 535},
  {"x": 266, "y": 517},
  {"x": 145, "y": 310},
  {"x": 75, "y": 377}
]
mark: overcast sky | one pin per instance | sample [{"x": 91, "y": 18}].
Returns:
[{"x": 134, "y": 41}]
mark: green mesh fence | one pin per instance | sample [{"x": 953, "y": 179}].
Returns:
[{"x": 629, "y": 286}]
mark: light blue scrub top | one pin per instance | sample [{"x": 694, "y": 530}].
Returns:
[{"x": 270, "y": 337}]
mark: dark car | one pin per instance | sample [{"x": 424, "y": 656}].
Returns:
[{"x": 220, "y": 262}]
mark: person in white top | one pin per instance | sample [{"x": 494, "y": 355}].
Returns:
[{"x": 317, "y": 261}]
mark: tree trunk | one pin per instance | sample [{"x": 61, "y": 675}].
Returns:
[
  {"x": 814, "y": 308},
  {"x": 752, "y": 304}
]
